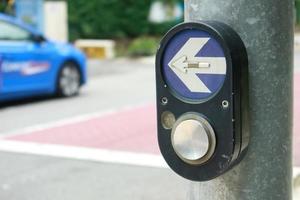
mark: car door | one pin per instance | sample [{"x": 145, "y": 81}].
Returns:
[{"x": 25, "y": 64}]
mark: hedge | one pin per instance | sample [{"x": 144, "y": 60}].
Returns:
[{"x": 112, "y": 19}]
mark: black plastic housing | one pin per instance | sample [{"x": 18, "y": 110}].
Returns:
[{"x": 231, "y": 125}]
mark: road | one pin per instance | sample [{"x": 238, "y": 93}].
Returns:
[
  {"x": 113, "y": 86},
  {"x": 98, "y": 145},
  {"x": 44, "y": 178}
]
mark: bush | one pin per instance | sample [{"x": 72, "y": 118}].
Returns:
[
  {"x": 108, "y": 19},
  {"x": 159, "y": 29},
  {"x": 6, "y": 7},
  {"x": 114, "y": 19},
  {"x": 143, "y": 46},
  {"x": 2, "y": 7}
]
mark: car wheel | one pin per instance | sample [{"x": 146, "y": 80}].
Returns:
[{"x": 68, "y": 80}]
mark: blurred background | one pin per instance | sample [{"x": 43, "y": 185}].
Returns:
[
  {"x": 135, "y": 27},
  {"x": 77, "y": 99}
]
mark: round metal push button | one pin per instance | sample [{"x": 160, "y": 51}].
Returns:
[{"x": 193, "y": 139}]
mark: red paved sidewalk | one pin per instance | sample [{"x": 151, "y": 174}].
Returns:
[{"x": 131, "y": 130}]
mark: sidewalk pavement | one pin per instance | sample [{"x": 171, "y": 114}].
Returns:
[{"x": 297, "y": 41}]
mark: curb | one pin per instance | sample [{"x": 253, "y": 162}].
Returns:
[
  {"x": 297, "y": 41},
  {"x": 151, "y": 59},
  {"x": 296, "y": 183}
]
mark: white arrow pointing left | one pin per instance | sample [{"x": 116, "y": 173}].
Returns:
[{"x": 186, "y": 65}]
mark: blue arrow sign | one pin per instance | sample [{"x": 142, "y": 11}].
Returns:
[{"x": 194, "y": 65}]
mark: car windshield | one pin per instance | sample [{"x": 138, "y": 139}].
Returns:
[{"x": 12, "y": 32}]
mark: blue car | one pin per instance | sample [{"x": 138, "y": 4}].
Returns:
[{"x": 32, "y": 65}]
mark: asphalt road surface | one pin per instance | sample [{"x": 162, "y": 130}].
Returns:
[{"x": 28, "y": 177}]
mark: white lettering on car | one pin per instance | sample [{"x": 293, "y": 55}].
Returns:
[{"x": 25, "y": 68}]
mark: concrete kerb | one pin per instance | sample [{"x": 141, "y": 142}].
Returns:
[
  {"x": 296, "y": 182},
  {"x": 297, "y": 41}
]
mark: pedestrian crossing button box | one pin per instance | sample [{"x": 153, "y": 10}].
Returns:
[{"x": 202, "y": 99}]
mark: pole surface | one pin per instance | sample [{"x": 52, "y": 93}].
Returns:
[{"x": 266, "y": 27}]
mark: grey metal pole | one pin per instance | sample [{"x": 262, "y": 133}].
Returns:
[{"x": 266, "y": 27}]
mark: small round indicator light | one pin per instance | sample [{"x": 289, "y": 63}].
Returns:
[{"x": 168, "y": 120}]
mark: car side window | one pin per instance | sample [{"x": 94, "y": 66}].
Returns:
[{"x": 12, "y": 32}]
